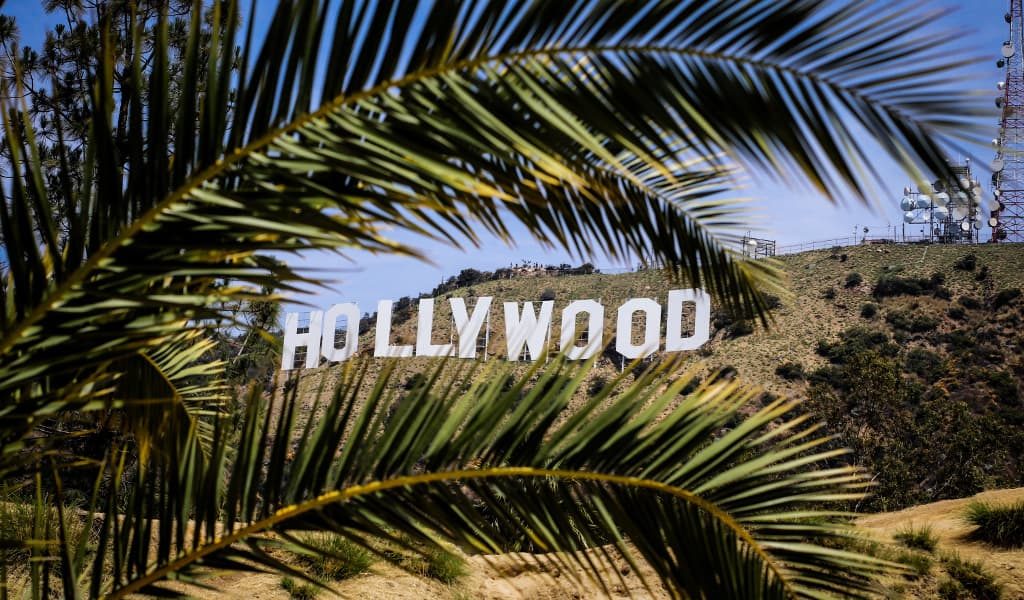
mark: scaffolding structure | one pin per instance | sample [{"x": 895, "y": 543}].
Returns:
[{"x": 1007, "y": 216}]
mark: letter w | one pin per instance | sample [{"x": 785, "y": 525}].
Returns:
[{"x": 528, "y": 329}]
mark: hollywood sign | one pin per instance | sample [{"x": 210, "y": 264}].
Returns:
[{"x": 525, "y": 326}]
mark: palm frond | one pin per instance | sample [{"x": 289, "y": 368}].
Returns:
[{"x": 715, "y": 504}]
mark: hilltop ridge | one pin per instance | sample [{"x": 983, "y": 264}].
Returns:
[{"x": 911, "y": 354}]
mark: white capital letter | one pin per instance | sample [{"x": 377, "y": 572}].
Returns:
[
  {"x": 382, "y": 345},
  {"x": 674, "y": 340},
  {"x": 328, "y": 342},
  {"x": 293, "y": 339},
  {"x": 624, "y": 328},
  {"x": 469, "y": 328},
  {"x": 528, "y": 329},
  {"x": 424, "y": 330},
  {"x": 595, "y": 329}
]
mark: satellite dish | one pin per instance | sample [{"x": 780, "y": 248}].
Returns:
[
  {"x": 907, "y": 203},
  {"x": 959, "y": 212},
  {"x": 996, "y": 192},
  {"x": 1000, "y": 85},
  {"x": 995, "y": 142},
  {"x": 999, "y": 102},
  {"x": 938, "y": 186},
  {"x": 965, "y": 226},
  {"x": 961, "y": 198},
  {"x": 977, "y": 224},
  {"x": 923, "y": 201},
  {"x": 993, "y": 204},
  {"x": 993, "y": 222},
  {"x": 997, "y": 164},
  {"x": 965, "y": 183},
  {"x": 909, "y": 217},
  {"x": 941, "y": 199},
  {"x": 751, "y": 242},
  {"x": 1007, "y": 49},
  {"x": 1007, "y": 17},
  {"x": 1000, "y": 63},
  {"x": 940, "y": 213},
  {"x": 906, "y": 191}
]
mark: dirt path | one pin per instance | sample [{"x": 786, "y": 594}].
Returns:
[{"x": 945, "y": 520}]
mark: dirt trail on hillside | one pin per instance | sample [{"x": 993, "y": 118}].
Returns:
[{"x": 945, "y": 519}]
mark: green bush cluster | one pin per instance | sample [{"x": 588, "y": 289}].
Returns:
[
  {"x": 912, "y": 323},
  {"x": 968, "y": 579},
  {"x": 923, "y": 443},
  {"x": 892, "y": 285},
  {"x": 868, "y": 310},
  {"x": 999, "y": 525},
  {"x": 790, "y": 371},
  {"x": 966, "y": 262},
  {"x": 854, "y": 279},
  {"x": 1005, "y": 297},
  {"x": 917, "y": 538}
]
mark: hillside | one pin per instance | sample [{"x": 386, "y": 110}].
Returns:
[{"x": 910, "y": 354}]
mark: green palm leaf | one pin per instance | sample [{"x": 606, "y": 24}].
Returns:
[{"x": 639, "y": 471}]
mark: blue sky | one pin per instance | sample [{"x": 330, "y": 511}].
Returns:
[{"x": 783, "y": 214}]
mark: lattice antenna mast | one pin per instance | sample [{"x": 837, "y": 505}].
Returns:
[{"x": 1007, "y": 216}]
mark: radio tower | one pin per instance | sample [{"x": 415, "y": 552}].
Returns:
[{"x": 1007, "y": 220}]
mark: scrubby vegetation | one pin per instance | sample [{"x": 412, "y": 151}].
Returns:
[
  {"x": 999, "y": 525},
  {"x": 917, "y": 538},
  {"x": 966, "y": 263},
  {"x": 968, "y": 580},
  {"x": 790, "y": 371}
]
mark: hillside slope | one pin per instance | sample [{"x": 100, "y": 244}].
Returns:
[{"x": 912, "y": 355}]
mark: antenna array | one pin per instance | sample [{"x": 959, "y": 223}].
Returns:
[{"x": 1006, "y": 216}]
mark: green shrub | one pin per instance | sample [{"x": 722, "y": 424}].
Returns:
[
  {"x": 829, "y": 293},
  {"x": 950, "y": 589},
  {"x": 917, "y": 538},
  {"x": 999, "y": 525},
  {"x": 966, "y": 262},
  {"x": 969, "y": 302},
  {"x": 741, "y": 328},
  {"x": 921, "y": 563},
  {"x": 974, "y": 578},
  {"x": 547, "y": 294},
  {"x": 854, "y": 341},
  {"x": 1003, "y": 385},
  {"x": 299, "y": 590},
  {"x": 341, "y": 559},
  {"x": 1004, "y": 297},
  {"x": 443, "y": 566},
  {"x": 416, "y": 380},
  {"x": 982, "y": 274},
  {"x": 868, "y": 310},
  {"x": 906, "y": 321},
  {"x": 956, "y": 312},
  {"x": 790, "y": 371},
  {"x": 596, "y": 385},
  {"x": 891, "y": 285},
  {"x": 925, "y": 364},
  {"x": 854, "y": 279}
]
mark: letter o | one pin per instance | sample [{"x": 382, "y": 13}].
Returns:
[{"x": 624, "y": 328}]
